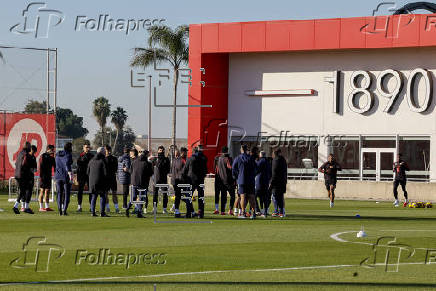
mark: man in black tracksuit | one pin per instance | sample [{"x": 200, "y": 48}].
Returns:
[
  {"x": 330, "y": 170},
  {"x": 400, "y": 168},
  {"x": 112, "y": 168},
  {"x": 97, "y": 173},
  {"x": 46, "y": 166},
  {"x": 195, "y": 172},
  {"x": 217, "y": 184},
  {"x": 177, "y": 167},
  {"x": 279, "y": 179},
  {"x": 226, "y": 184},
  {"x": 141, "y": 171},
  {"x": 23, "y": 175},
  {"x": 161, "y": 170},
  {"x": 33, "y": 169},
  {"x": 82, "y": 176}
]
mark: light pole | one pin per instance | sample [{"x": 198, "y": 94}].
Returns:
[{"x": 149, "y": 114}]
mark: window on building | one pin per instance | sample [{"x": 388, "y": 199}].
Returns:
[
  {"x": 416, "y": 152},
  {"x": 301, "y": 153},
  {"x": 378, "y": 142},
  {"x": 346, "y": 151}
]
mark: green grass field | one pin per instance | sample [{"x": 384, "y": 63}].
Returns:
[{"x": 295, "y": 252}]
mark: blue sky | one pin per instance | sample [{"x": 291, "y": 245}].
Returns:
[{"x": 96, "y": 63}]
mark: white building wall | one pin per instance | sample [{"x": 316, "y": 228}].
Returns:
[{"x": 314, "y": 114}]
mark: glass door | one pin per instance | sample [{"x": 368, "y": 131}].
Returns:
[
  {"x": 386, "y": 165},
  {"x": 368, "y": 165},
  {"x": 376, "y": 164}
]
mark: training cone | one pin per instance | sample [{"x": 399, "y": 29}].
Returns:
[{"x": 362, "y": 233}]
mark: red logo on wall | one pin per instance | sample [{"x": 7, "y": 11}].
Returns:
[{"x": 38, "y": 129}]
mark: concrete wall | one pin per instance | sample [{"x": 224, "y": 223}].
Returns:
[{"x": 351, "y": 190}]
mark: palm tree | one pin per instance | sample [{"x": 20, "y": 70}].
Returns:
[
  {"x": 101, "y": 111},
  {"x": 170, "y": 47},
  {"x": 119, "y": 117}
]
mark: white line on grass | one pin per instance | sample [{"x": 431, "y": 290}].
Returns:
[
  {"x": 336, "y": 237},
  {"x": 408, "y": 230},
  {"x": 197, "y": 273}
]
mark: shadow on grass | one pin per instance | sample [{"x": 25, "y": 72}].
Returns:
[
  {"x": 310, "y": 217},
  {"x": 248, "y": 283}
]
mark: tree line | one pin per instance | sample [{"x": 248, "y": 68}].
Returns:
[{"x": 69, "y": 125}]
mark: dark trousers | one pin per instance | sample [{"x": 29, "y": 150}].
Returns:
[
  {"x": 223, "y": 189},
  {"x": 125, "y": 194},
  {"x": 403, "y": 187},
  {"x": 200, "y": 192},
  {"x": 261, "y": 198},
  {"x": 178, "y": 198},
  {"x": 25, "y": 189},
  {"x": 102, "y": 202},
  {"x": 142, "y": 195},
  {"x": 279, "y": 196},
  {"x": 218, "y": 186},
  {"x": 156, "y": 197},
  {"x": 63, "y": 194},
  {"x": 82, "y": 184},
  {"x": 268, "y": 197}
]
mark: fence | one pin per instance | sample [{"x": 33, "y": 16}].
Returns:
[{"x": 14, "y": 189}]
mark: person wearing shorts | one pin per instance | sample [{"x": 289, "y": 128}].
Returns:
[
  {"x": 330, "y": 170},
  {"x": 46, "y": 166},
  {"x": 244, "y": 172}
]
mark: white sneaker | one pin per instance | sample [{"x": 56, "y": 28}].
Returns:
[
  {"x": 164, "y": 211},
  {"x": 332, "y": 204},
  {"x": 396, "y": 203}
]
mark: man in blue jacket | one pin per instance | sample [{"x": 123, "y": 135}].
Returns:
[
  {"x": 63, "y": 177},
  {"x": 263, "y": 178},
  {"x": 244, "y": 172}
]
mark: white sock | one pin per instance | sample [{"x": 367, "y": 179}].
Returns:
[
  {"x": 239, "y": 211},
  {"x": 79, "y": 206},
  {"x": 41, "y": 205},
  {"x": 46, "y": 205},
  {"x": 16, "y": 204},
  {"x": 26, "y": 205},
  {"x": 22, "y": 204},
  {"x": 177, "y": 211},
  {"x": 235, "y": 210},
  {"x": 217, "y": 206}
]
